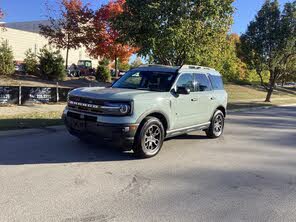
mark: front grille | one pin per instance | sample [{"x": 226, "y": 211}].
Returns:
[
  {"x": 85, "y": 105},
  {"x": 86, "y": 100},
  {"x": 85, "y": 117}
]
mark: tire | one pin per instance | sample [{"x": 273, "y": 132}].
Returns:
[
  {"x": 216, "y": 128},
  {"x": 149, "y": 138}
]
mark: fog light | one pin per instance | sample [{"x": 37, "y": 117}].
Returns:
[{"x": 126, "y": 129}]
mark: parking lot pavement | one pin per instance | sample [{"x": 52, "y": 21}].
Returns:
[{"x": 247, "y": 175}]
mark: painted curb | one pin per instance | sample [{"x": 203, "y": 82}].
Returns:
[{"x": 258, "y": 108}]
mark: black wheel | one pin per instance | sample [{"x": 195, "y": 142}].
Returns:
[
  {"x": 217, "y": 125},
  {"x": 149, "y": 138}
]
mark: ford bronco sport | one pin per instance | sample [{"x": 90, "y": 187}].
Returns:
[{"x": 149, "y": 104}]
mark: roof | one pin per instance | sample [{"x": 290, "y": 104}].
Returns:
[
  {"x": 30, "y": 26},
  {"x": 158, "y": 68},
  {"x": 164, "y": 68}
]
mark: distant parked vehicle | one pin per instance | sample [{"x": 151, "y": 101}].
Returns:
[
  {"x": 19, "y": 67},
  {"x": 121, "y": 73},
  {"x": 290, "y": 84},
  {"x": 85, "y": 68},
  {"x": 73, "y": 71}
]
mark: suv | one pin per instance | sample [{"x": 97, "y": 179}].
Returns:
[{"x": 147, "y": 105}]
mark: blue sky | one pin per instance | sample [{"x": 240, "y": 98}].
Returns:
[{"x": 27, "y": 10}]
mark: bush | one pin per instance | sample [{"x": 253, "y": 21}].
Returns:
[
  {"x": 103, "y": 74},
  {"x": 104, "y": 62},
  {"x": 51, "y": 65},
  {"x": 6, "y": 59},
  {"x": 31, "y": 62}
]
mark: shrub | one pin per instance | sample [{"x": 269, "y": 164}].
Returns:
[
  {"x": 104, "y": 62},
  {"x": 31, "y": 62},
  {"x": 103, "y": 74},
  {"x": 124, "y": 66},
  {"x": 6, "y": 59},
  {"x": 51, "y": 65}
]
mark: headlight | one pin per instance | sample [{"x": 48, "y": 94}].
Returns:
[{"x": 117, "y": 108}]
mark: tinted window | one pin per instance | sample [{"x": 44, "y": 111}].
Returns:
[
  {"x": 186, "y": 80},
  {"x": 217, "y": 82},
  {"x": 202, "y": 83},
  {"x": 146, "y": 80}
]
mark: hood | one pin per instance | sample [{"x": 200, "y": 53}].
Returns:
[{"x": 108, "y": 93}]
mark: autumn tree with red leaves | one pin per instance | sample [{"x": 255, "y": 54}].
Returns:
[
  {"x": 103, "y": 39},
  {"x": 67, "y": 29}
]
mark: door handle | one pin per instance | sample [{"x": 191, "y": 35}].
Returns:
[
  {"x": 213, "y": 98},
  {"x": 194, "y": 100}
]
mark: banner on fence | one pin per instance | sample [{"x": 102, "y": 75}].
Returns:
[{"x": 13, "y": 94}]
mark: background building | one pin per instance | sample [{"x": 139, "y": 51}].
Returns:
[{"x": 22, "y": 36}]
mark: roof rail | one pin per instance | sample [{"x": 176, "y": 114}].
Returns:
[
  {"x": 157, "y": 65},
  {"x": 195, "y": 67}
]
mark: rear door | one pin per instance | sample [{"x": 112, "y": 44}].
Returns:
[{"x": 204, "y": 92}]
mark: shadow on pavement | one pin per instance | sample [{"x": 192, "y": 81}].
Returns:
[
  {"x": 53, "y": 147},
  {"x": 276, "y": 127}
]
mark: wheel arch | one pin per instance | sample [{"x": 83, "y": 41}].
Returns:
[
  {"x": 159, "y": 115},
  {"x": 222, "y": 109}
]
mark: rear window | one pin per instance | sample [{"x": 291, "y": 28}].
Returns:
[
  {"x": 202, "y": 83},
  {"x": 217, "y": 82}
]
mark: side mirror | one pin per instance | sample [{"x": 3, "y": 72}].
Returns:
[{"x": 183, "y": 90}]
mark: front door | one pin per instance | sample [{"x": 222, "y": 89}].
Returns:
[{"x": 184, "y": 106}]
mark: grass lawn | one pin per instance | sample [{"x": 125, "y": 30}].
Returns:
[
  {"x": 34, "y": 120},
  {"x": 256, "y": 93}
]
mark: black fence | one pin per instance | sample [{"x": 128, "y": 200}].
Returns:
[{"x": 22, "y": 95}]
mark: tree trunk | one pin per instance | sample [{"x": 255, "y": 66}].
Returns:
[
  {"x": 271, "y": 86},
  {"x": 116, "y": 67},
  {"x": 67, "y": 57},
  {"x": 269, "y": 93}
]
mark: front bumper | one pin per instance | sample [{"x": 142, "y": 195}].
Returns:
[{"x": 118, "y": 134}]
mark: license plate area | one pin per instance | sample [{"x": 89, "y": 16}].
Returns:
[{"x": 78, "y": 124}]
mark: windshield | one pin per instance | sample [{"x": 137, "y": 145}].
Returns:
[{"x": 146, "y": 80}]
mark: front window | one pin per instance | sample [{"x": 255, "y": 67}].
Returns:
[
  {"x": 146, "y": 80},
  {"x": 186, "y": 81}
]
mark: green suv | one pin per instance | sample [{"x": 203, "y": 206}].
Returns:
[{"x": 147, "y": 105}]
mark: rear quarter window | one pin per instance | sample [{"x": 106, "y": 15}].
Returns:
[{"x": 217, "y": 82}]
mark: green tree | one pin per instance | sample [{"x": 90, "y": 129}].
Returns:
[
  {"x": 123, "y": 66},
  {"x": 226, "y": 60},
  {"x": 174, "y": 32},
  {"x": 104, "y": 62},
  {"x": 6, "y": 59},
  {"x": 51, "y": 65},
  {"x": 103, "y": 74},
  {"x": 136, "y": 63},
  {"x": 31, "y": 62},
  {"x": 269, "y": 43}
]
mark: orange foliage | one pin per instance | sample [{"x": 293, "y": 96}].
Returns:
[
  {"x": 72, "y": 5},
  {"x": 105, "y": 38}
]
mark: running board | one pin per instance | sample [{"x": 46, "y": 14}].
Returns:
[{"x": 177, "y": 132}]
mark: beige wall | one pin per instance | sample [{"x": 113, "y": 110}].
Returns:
[{"x": 21, "y": 41}]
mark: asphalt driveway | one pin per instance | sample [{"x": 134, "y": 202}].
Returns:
[{"x": 247, "y": 175}]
